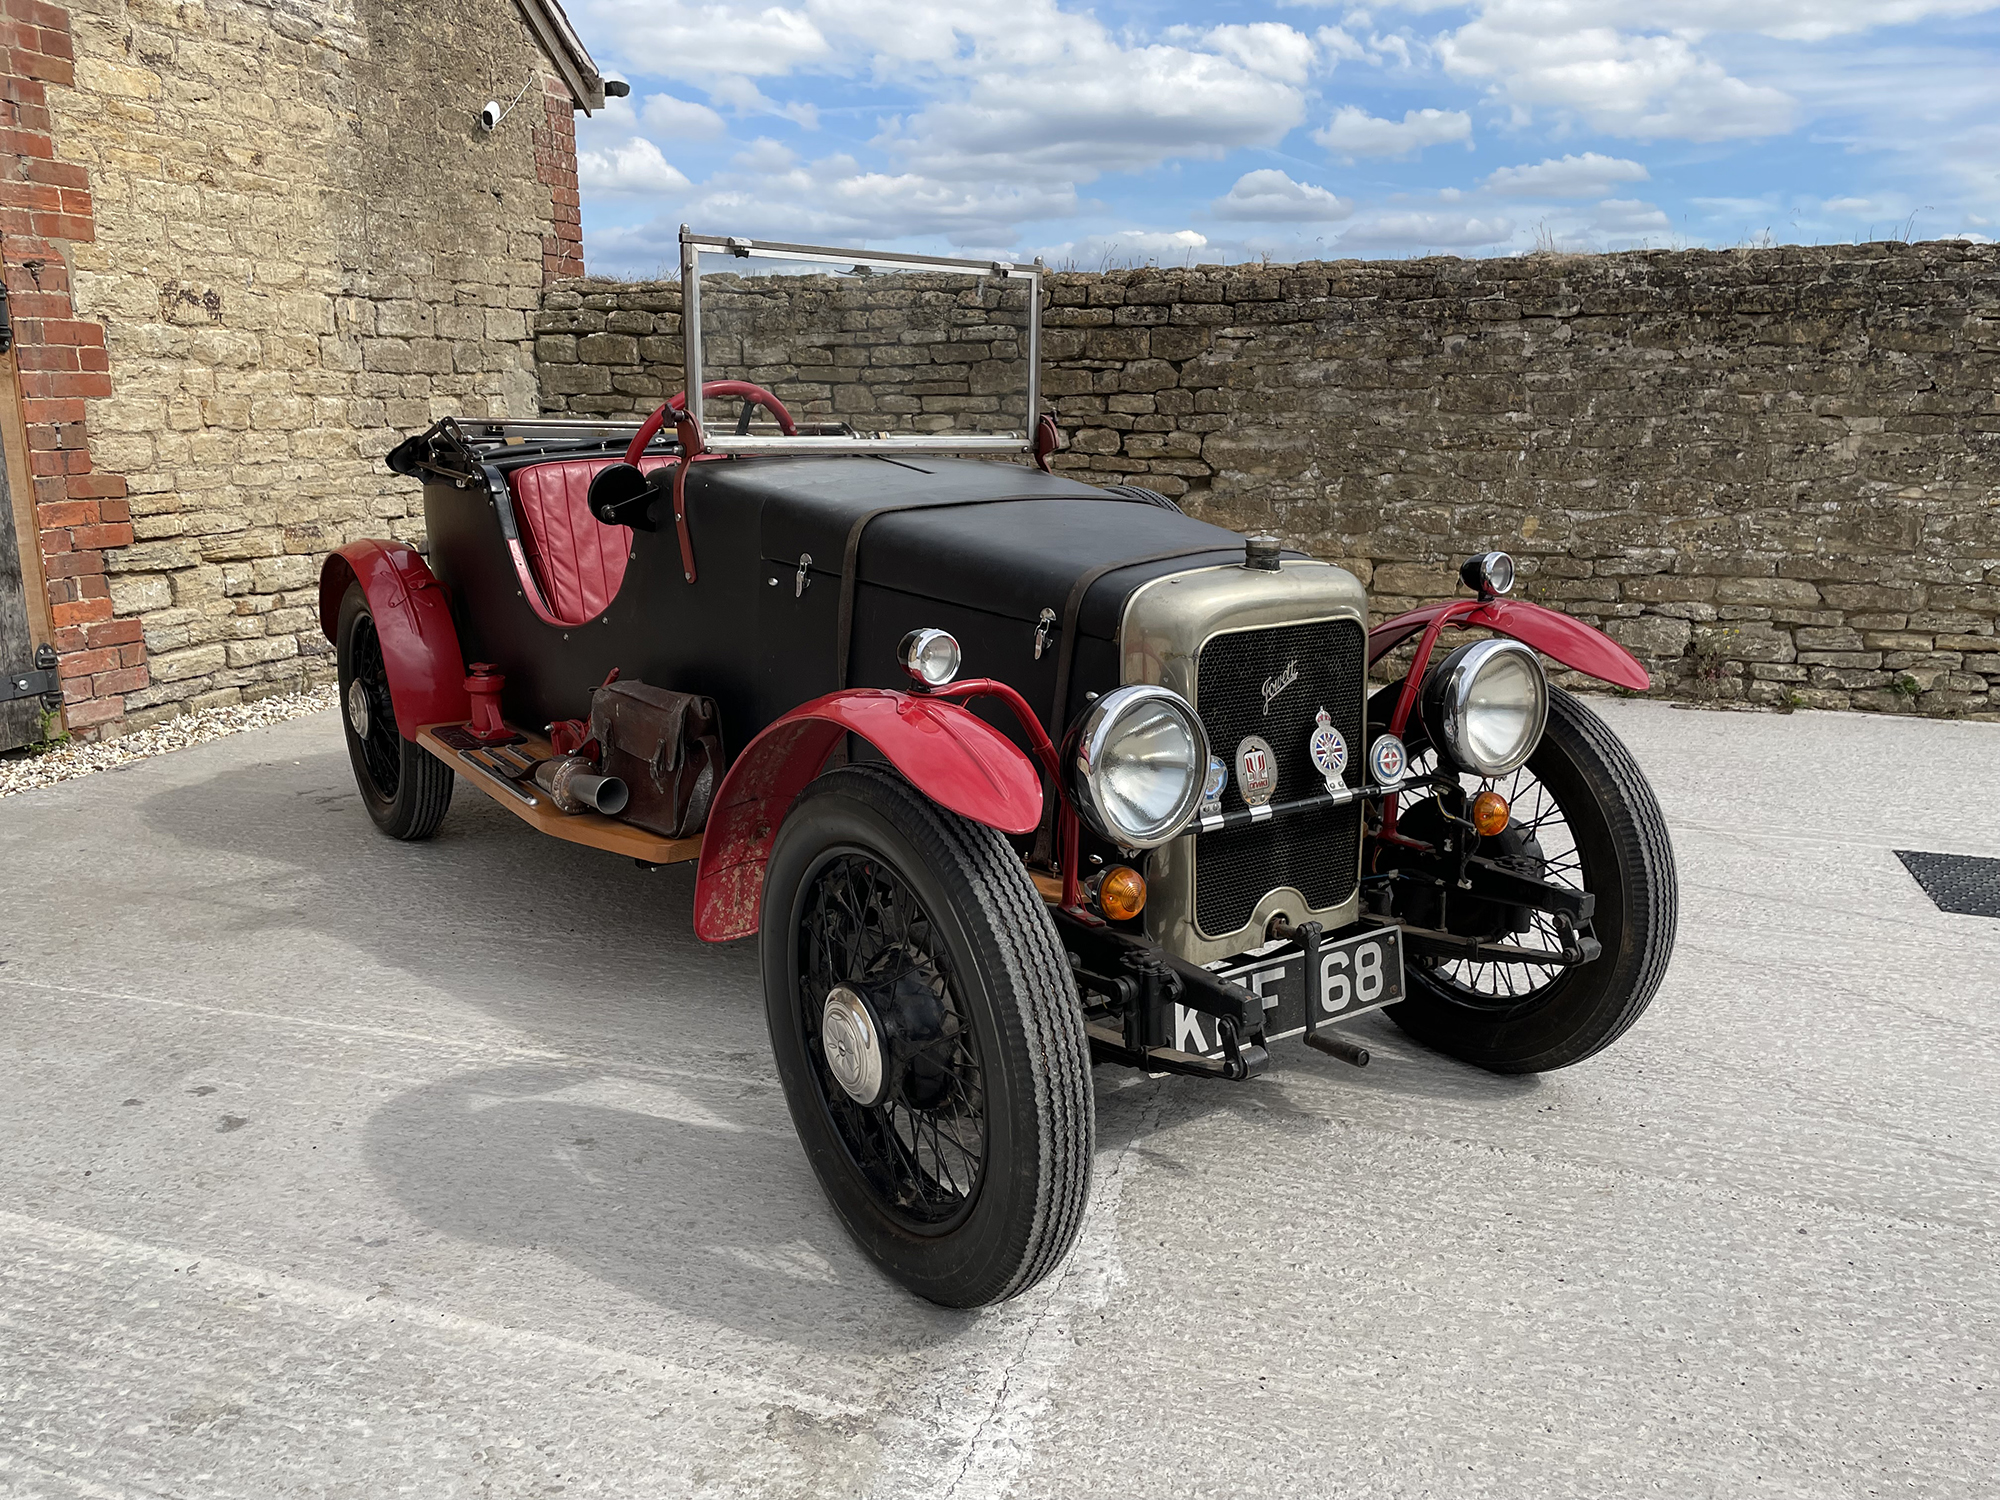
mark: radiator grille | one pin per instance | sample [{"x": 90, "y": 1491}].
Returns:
[{"x": 1318, "y": 854}]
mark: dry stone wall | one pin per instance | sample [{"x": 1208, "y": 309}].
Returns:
[
  {"x": 1773, "y": 474},
  {"x": 303, "y": 247}
]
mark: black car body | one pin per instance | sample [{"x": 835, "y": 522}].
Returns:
[{"x": 945, "y": 899}]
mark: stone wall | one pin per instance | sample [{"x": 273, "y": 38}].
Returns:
[
  {"x": 290, "y": 244},
  {"x": 1774, "y": 474}
]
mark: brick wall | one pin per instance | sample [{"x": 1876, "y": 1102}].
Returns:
[
  {"x": 1774, "y": 474},
  {"x": 46, "y": 210},
  {"x": 259, "y": 239}
]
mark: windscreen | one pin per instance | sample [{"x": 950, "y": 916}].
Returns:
[{"x": 866, "y": 349}]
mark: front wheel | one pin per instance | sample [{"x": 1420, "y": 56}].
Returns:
[
  {"x": 1584, "y": 816},
  {"x": 929, "y": 1038}
]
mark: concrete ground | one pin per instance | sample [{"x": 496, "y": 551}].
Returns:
[{"x": 333, "y": 1167}]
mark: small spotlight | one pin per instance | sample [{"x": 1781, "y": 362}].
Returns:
[
  {"x": 1488, "y": 573},
  {"x": 929, "y": 656}
]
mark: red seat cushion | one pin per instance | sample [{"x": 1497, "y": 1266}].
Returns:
[{"x": 578, "y": 560}]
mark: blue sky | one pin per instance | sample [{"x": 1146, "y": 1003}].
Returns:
[{"x": 1177, "y": 133}]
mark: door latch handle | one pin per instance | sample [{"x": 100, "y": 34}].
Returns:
[
  {"x": 802, "y": 579},
  {"x": 1043, "y": 626}
]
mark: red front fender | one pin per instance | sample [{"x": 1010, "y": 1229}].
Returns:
[
  {"x": 1580, "y": 647},
  {"x": 953, "y": 757},
  {"x": 413, "y": 622}
]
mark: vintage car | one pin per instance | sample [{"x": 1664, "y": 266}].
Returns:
[{"x": 1007, "y": 774}]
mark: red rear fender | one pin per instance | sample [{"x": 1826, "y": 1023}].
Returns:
[
  {"x": 1580, "y": 647},
  {"x": 413, "y": 620},
  {"x": 953, "y": 757}
]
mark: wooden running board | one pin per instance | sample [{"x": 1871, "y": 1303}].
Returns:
[{"x": 532, "y": 806}]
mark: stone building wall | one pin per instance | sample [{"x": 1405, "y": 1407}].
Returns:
[
  {"x": 280, "y": 240},
  {"x": 1773, "y": 474}
]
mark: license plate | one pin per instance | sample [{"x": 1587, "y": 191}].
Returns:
[{"x": 1356, "y": 974}]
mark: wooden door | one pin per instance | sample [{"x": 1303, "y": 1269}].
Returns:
[{"x": 24, "y": 605}]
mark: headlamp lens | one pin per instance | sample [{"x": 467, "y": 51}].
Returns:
[{"x": 1136, "y": 764}]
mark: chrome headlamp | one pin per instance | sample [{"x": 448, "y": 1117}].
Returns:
[
  {"x": 1485, "y": 706},
  {"x": 1134, "y": 765},
  {"x": 930, "y": 657}
]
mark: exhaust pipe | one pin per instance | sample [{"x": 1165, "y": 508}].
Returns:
[{"x": 574, "y": 786}]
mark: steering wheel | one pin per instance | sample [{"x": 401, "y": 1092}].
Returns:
[{"x": 756, "y": 395}]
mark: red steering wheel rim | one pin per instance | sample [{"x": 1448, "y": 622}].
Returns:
[{"x": 678, "y": 404}]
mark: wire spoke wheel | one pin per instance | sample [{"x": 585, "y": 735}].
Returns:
[
  {"x": 405, "y": 788},
  {"x": 1582, "y": 817},
  {"x": 1539, "y": 842},
  {"x": 381, "y": 750},
  {"x": 927, "y": 1032},
  {"x": 921, "y": 1146}
]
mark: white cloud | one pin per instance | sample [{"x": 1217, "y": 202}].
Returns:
[
  {"x": 766, "y": 155},
  {"x": 1271, "y": 197},
  {"x": 1174, "y": 247},
  {"x": 1628, "y": 216},
  {"x": 1850, "y": 206},
  {"x": 681, "y": 119},
  {"x": 1587, "y": 176},
  {"x": 632, "y": 168},
  {"x": 1354, "y": 132},
  {"x": 1646, "y": 86},
  {"x": 1428, "y": 231},
  {"x": 1265, "y": 47}
]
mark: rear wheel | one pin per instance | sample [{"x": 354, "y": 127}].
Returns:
[
  {"x": 1585, "y": 817},
  {"x": 405, "y": 788},
  {"x": 929, "y": 1037}
]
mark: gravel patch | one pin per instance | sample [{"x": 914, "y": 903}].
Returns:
[{"x": 21, "y": 772}]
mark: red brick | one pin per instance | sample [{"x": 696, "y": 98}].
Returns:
[
  {"x": 31, "y": 195},
  {"x": 54, "y": 542},
  {"x": 69, "y": 513},
  {"x": 72, "y": 330},
  {"x": 52, "y": 411},
  {"x": 114, "y": 633},
  {"x": 114, "y": 510},
  {"x": 72, "y": 638},
  {"x": 97, "y": 486},
  {"x": 93, "y": 586},
  {"x": 83, "y": 663},
  {"x": 95, "y": 711},
  {"x": 61, "y": 173},
  {"x": 124, "y": 680},
  {"x": 47, "y": 356},
  {"x": 64, "y": 227},
  {"x": 78, "y": 460},
  {"x": 93, "y": 359},
  {"x": 133, "y": 655},
  {"x": 104, "y": 537},
  {"x": 44, "y": 461},
  {"x": 72, "y": 564},
  {"x": 27, "y": 143}
]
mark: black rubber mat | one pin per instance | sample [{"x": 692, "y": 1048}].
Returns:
[{"x": 1966, "y": 885}]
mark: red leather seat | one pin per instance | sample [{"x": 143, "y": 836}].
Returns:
[{"x": 578, "y": 560}]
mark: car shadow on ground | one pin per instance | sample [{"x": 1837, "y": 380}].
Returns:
[{"x": 636, "y": 1130}]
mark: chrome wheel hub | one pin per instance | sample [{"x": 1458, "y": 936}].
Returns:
[
  {"x": 359, "y": 715},
  {"x": 853, "y": 1045}
]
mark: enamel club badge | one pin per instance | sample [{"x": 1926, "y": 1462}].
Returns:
[
  {"x": 1328, "y": 748},
  {"x": 1256, "y": 770}
]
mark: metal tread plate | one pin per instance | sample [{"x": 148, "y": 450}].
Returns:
[{"x": 1966, "y": 885}]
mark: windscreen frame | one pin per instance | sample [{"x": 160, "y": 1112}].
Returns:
[{"x": 693, "y": 246}]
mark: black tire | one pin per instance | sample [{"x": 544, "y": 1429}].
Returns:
[
  {"x": 934, "y": 920},
  {"x": 1625, "y": 858},
  {"x": 405, "y": 788}
]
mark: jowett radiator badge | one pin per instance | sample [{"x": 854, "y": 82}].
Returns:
[
  {"x": 1328, "y": 749},
  {"x": 1256, "y": 770},
  {"x": 1278, "y": 682}
]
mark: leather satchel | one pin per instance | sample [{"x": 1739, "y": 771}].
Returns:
[{"x": 667, "y": 749}]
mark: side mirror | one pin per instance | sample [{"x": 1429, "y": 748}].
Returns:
[{"x": 622, "y": 496}]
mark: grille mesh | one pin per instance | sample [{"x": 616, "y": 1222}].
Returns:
[{"x": 1319, "y": 853}]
